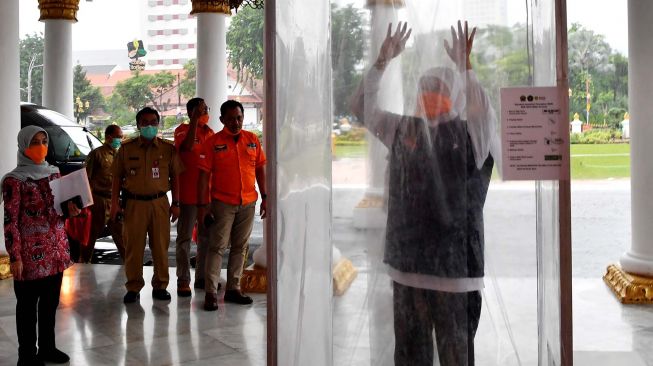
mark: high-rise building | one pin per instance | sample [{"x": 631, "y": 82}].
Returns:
[
  {"x": 169, "y": 33},
  {"x": 485, "y": 12}
]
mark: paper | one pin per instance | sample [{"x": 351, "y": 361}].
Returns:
[
  {"x": 69, "y": 186},
  {"x": 534, "y": 134}
]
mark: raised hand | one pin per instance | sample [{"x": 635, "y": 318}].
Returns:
[
  {"x": 393, "y": 44},
  {"x": 461, "y": 46}
]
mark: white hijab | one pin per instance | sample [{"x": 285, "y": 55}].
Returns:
[{"x": 27, "y": 169}]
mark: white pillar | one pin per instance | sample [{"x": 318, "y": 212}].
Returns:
[
  {"x": 639, "y": 258},
  {"x": 212, "y": 63},
  {"x": 10, "y": 92},
  {"x": 10, "y": 81},
  {"x": 367, "y": 216},
  {"x": 58, "y": 66}
]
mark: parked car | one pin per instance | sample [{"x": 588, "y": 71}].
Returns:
[{"x": 69, "y": 142}]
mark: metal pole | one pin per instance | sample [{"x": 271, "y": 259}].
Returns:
[
  {"x": 564, "y": 195},
  {"x": 270, "y": 138}
]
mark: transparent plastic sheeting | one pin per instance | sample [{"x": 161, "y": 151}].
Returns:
[
  {"x": 548, "y": 229},
  {"x": 445, "y": 251},
  {"x": 303, "y": 129}
]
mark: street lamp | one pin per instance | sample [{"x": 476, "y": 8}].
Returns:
[{"x": 29, "y": 77}]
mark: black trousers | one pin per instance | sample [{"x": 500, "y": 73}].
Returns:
[
  {"x": 36, "y": 297},
  {"x": 453, "y": 316}
]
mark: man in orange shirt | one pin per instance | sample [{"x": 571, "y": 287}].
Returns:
[
  {"x": 235, "y": 162},
  {"x": 188, "y": 140}
]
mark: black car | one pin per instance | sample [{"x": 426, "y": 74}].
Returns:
[{"x": 69, "y": 142}]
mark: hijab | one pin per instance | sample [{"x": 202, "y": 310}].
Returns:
[{"x": 28, "y": 169}]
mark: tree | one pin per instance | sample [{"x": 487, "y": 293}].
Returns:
[
  {"x": 31, "y": 53},
  {"x": 89, "y": 96},
  {"x": 140, "y": 89},
  {"x": 347, "y": 50},
  {"x": 120, "y": 111},
  {"x": 245, "y": 45},
  {"x": 187, "y": 86}
]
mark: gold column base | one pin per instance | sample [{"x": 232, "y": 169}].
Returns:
[
  {"x": 5, "y": 270},
  {"x": 344, "y": 274},
  {"x": 255, "y": 279},
  {"x": 629, "y": 288},
  {"x": 371, "y": 201}
]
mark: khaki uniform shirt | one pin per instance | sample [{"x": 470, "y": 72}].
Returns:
[
  {"x": 98, "y": 169},
  {"x": 147, "y": 169}
]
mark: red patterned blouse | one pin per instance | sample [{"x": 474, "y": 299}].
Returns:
[{"x": 34, "y": 232}]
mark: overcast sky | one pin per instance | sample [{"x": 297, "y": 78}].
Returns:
[{"x": 110, "y": 24}]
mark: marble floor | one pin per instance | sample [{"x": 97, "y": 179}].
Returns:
[{"x": 95, "y": 328}]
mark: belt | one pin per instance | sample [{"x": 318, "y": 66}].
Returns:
[
  {"x": 102, "y": 194},
  {"x": 142, "y": 197}
]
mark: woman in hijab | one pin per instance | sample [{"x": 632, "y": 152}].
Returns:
[
  {"x": 38, "y": 247},
  {"x": 440, "y": 164}
]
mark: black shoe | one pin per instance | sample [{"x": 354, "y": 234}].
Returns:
[
  {"x": 130, "y": 297},
  {"x": 210, "y": 302},
  {"x": 237, "y": 297},
  {"x": 199, "y": 284},
  {"x": 30, "y": 361},
  {"x": 53, "y": 356},
  {"x": 160, "y": 294}
]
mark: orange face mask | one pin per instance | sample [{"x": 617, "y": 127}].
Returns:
[
  {"x": 37, "y": 153},
  {"x": 203, "y": 120},
  {"x": 433, "y": 104}
]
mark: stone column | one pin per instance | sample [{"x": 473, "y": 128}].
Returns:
[
  {"x": 369, "y": 213},
  {"x": 212, "y": 54},
  {"x": 633, "y": 281},
  {"x": 58, "y": 16},
  {"x": 9, "y": 95}
]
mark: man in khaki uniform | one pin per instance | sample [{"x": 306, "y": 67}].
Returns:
[
  {"x": 100, "y": 177},
  {"x": 148, "y": 167}
]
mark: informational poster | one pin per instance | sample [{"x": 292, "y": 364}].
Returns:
[{"x": 534, "y": 134}]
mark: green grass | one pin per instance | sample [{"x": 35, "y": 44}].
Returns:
[
  {"x": 600, "y": 161},
  {"x": 592, "y": 161}
]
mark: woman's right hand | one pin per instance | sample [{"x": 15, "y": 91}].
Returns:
[{"x": 17, "y": 270}]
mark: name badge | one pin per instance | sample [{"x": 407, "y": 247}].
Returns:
[{"x": 155, "y": 173}]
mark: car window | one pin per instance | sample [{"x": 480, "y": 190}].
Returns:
[{"x": 71, "y": 143}]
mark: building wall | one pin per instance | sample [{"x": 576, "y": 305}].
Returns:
[
  {"x": 484, "y": 12},
  {"x": 168, "y": 32}
]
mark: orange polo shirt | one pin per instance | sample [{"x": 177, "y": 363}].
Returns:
[
  {"x": 188, "y": 179},
  {"x": 232, "y": 166}
]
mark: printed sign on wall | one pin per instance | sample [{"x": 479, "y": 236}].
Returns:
[{"x": 534, "y": 134}]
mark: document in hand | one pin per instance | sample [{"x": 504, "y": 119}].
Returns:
[{"x": 69, "y": 186}]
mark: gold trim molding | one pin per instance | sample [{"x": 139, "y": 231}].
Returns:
[
  {"x": 393, "y": 3},
  {"x": 255, "y": 278},
  {"x": 58, "y": 9},
  {"x": 370, "y": 201},
  {"x": 629, "y": 288},
  {"x": 344, "y": 274},
  {"x": 211, "y": 6},
  {"x": 5, "y": 270}
]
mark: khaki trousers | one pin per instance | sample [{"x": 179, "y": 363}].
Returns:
[
  {"x": 233, "y": 225},
  {"x": 99, "y": 219},
  {"x": 185, "y": 226},
  {"x": 146, "y": 219}
]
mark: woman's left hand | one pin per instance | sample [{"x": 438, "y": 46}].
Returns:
[{"x": 73, "y": 210}]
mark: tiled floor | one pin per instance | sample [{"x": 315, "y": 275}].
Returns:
[{"x": 96, "y": 328}]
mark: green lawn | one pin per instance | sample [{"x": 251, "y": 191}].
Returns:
[
  {"x": 593, "y": 161},
  {"x": 600, "y": 161}
]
